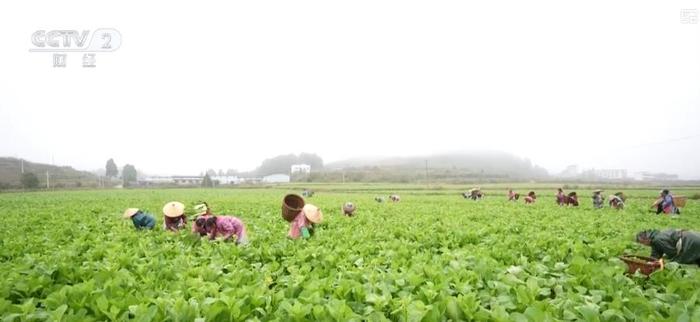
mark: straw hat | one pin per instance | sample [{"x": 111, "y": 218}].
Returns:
[
  {"x": 130, "y": 212},
  {"x": 348, "y": 207},
  {"x": 174, "y": 209},
  {"x": 597, "y": 191},
  {"x": 313, "y": 214},
  {"x": 201, "y": 209}
]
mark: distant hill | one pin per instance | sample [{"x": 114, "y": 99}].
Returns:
[
  {"x": 461, "y": 166},
  {"x": 60, "y": 176}
]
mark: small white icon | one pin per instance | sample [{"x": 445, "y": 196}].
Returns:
[
  {"x": 689, "y": 16},
  {"x": 59, "y": 60},
  {"x": 89, "y": 60},
  {"x": 107, "y": 44}
]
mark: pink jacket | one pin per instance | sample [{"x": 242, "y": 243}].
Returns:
[
  {"x": 228, "y": 226},
  {"x": 296, "y": 225}
]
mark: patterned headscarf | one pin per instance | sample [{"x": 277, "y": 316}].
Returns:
[{"x": 646, "y": 235}]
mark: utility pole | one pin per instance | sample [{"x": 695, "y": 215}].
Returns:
[
  {"x": 21, "y": 165},
  {"x": 427, "y": 181},
  {"x": 47, "y": 180}
]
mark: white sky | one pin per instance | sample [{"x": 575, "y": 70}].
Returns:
[{"x": 225, "y": 85}]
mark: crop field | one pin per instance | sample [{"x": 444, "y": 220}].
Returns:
[{"x": 434, "y": 256}]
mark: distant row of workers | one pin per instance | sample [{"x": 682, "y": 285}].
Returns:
[
  {"x": 229, "y": 228},
  {"x": 665, "y": 202}
]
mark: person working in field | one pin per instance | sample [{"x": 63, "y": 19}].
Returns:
[
  {"x": 140, "y": 219},
  {"x": 531, "y": 197},
  {"x": 682, "y": 246},
  {"x": 571, "y": 199},
  {"x": 203, "y": 213},
  {"x": 305, "y": 222},
  {"x": 597, "y": 199},
  {"x": 665, "y": 203},
  {"x": 227, "y": 227},
  {"x": 175, "y": 218},
  {"x": 616, "y": 201},
  {"x": 473, "y": 194},
  {"x": 561, "y": 197},
  {"x": 395, "y": 198},
  {"x": 513, "y": 196}
]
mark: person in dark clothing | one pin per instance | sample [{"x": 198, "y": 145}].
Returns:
[
  {"x": 572, "y": 199},
  {"x": 682, "y": 246},
  {"x": 140, "y": 219},
  {"x": 597, "y": 199}
]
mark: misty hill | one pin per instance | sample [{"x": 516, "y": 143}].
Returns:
[
  {"x": 490, "y": 164},
  {"x": 60, "y": 176}
]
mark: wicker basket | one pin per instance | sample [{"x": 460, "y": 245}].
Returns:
[
  {"x": 292, "y": 205},
  {"x": 645, "y": 265},
  {"x": 680, "y": 201}
]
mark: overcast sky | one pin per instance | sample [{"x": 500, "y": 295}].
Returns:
[{"x": 605, "y": 84}]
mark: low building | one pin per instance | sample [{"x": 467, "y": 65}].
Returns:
[
  {"x": 301, "y": 168},
  {"x": 225, "y": 180},
  {"x": 276, "y": 178},
  {"x": 188, "y": 180}
]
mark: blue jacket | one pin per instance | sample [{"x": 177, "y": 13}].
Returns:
[{"x": 143, "y": 221}]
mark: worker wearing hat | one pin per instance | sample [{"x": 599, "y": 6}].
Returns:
[
  {"x": 304, "y": 223},
  {"x": 175, "y": 218},
  {"x": 615, "y": 201},
  {"x": 140, "y": 219},
  {"x": 349, "y": 209},
  {"x": 597, "y": 199},
  {"x": 203, "y": 213},
  {"x": 681, "y": 246}
]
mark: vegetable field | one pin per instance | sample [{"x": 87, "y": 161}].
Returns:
[{"x": 69, "y": 256}]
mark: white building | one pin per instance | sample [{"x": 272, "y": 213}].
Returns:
[
  {"x": 188, "y": 180},
  {"x": 226, "y": 179},
  {"x": 276, "y": 178},
  {"x": 301, "y": 168},
  {"x": 157, "y": 180},
  {"x": 610, "y": 173}
]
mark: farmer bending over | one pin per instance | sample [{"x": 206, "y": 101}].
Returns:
[
  {"x": 140, "y": 219},
  {"x": 304, "y": 223},
  {"x": 682, "y": 246},
  {"x": 203, "y": 212},
  {"x": 530, "y": 198},
  {"x": 615, "y": 201},
  {"x": 226, "y": 226},
  {"x": 174, "y": 216},
  {"x": 513, "y": 196}
]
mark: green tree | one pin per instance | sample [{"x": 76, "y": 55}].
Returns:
[
  {"x": 206, "y": 182},
  {"x": 129, "y": 174},
  {"x": 29, "y": 180},
  {"x": 111, "y": 169}
]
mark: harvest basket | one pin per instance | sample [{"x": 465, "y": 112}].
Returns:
[
  {"x": 645, "y": 265},
  {"x": 680, "y": 201},
  {"x": 292, "y": 205}
]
